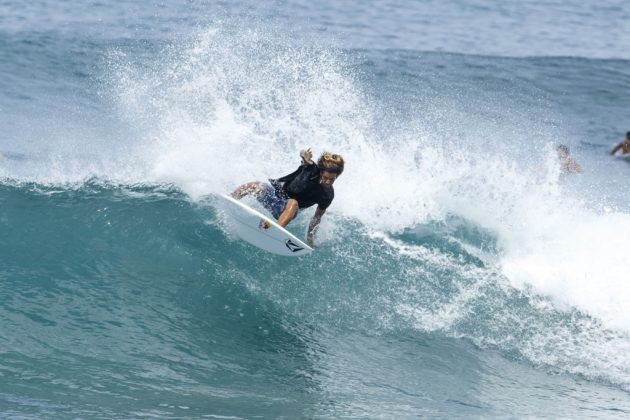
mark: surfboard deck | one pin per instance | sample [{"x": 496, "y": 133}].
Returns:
[{"x": 260, "y": 230}]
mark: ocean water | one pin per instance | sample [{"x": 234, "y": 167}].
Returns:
[{"x": 458, "y": 274}]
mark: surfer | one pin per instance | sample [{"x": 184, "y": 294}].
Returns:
[
  {"x": 624, "y": 146},
  {"x": 312, "y": 183},
  {"x": 567, "y": 163}
]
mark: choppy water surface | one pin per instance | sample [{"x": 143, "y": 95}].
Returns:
[{"x": 458, "y": 272}]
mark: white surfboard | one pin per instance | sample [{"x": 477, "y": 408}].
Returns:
[{"x": 260, "y": 230}]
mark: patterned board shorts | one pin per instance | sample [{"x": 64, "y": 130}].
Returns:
[{"x": 272, "y": 202}]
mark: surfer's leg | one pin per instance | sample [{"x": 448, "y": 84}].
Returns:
[
  {"x": 290, "y": 209},
  {"x": 249, "y": 188}
]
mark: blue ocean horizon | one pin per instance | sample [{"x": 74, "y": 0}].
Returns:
[{"x": 459, "y": 272}]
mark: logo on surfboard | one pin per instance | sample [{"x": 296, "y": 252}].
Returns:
[
  {"x": 293, "y": 247},
  {"x": 264, "y": 224}
]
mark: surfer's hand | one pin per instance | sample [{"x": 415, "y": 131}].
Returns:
[
  {"x": 307, "y": 155},
  {"x": 309, "y": 242}
]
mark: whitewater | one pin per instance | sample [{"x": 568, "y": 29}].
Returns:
[{"x": 458, "y": 272}]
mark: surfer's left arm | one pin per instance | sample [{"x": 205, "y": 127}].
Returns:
[
  {"x": 307, "y": 156},
  {"x": 312, "y": 227}
]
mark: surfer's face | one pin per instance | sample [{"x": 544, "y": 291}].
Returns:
[{"x": 326, "y": 178}]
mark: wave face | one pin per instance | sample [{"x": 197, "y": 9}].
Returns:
[{"x": 458, "y": 271}]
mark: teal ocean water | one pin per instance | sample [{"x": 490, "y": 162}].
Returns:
[{"x": 459, "y": 273}]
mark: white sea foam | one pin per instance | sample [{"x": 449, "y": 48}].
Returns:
[{"x": 233, "y": 106}]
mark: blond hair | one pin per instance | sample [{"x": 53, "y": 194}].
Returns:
[{"x": 331, "y": 162}]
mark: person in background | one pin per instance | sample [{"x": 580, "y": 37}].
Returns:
[
  {"x": 312, "y": 183},
  {"x": 623, "y": 145},
  {"x": 567, "y": 163}
]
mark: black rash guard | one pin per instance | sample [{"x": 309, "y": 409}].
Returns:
[{"x": 303, "y": 185}]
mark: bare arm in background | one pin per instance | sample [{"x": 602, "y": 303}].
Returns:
[{"x": 616, "y": 148}]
